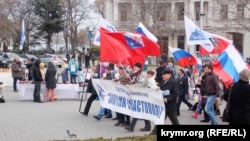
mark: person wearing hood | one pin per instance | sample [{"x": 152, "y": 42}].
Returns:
[
  {"x": 50, "y": 78},
  {"x": 37, "y": 81}
]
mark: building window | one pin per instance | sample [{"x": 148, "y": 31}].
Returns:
[
  {"x": 223, "y": 12},
  {"x": 240, "y": 11},
  {"x": 168, "y": 11},
  {"x": 197, "y": 11},
  {"x": 180, "y": 10},
  {"x": 163, "y": 42},
  {"x": 161, "y": 11},
  {"x": 124, "y": 11},
  {"x": 181, "y": 42}
]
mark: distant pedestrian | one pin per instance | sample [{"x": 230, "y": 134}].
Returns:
[
  {"x": 80, "y": 77},
  {"x": 16, "y": 69},
  {"x": 30, "y": 66},
  {"x": 50, "y": 78},
  {"x": 87, "y": 60},
  {"x": 37, "y": 81},
  {"x": 64, "y": 71},
  {"x": 93, "y": 58},
  {"x": 73, "y": 69}
]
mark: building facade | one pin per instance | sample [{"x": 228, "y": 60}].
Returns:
[{"x": 165, "y": 19}]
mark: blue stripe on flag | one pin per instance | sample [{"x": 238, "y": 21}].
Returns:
[{"x": 179, "y": 54}]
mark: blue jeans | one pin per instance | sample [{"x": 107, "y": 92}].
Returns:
[
  {"x": 209, "y": 108},
  {"x": 102, "y": 111}
]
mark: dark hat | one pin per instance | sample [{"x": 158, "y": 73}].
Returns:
[
  {"x": 138, "y": 65},
  {"x": 167, "y": 71}
]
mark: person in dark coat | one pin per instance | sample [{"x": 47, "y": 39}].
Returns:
[
  {"x": 170, "y": 93},
  {"x": 50, "y": 78},
  {"x": 30, "y": 66},
  {"x": 182, "y": 82},
  {"x": 239, "y": 104},
  {"x": 87, "y": 60},
  {"x": 160, "y": 68},
  {"x": 37, "y": 81}
]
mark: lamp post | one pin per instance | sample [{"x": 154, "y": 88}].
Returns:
[{"x": 90, "y": 35}]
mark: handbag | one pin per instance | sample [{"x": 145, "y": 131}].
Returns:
[{"x": 225, "y": 116}]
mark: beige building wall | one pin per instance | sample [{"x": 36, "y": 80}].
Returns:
[{"x": 211, "y": 21}]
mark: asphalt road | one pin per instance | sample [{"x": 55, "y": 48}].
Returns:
[{"x": 29, "y": 121}]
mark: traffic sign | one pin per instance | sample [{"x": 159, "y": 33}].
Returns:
[{"x": 89, "y": 35}]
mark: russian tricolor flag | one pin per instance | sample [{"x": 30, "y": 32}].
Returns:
[
  {"x": 182, "y": 57},
  {"x": 229, "y": 65},
  {"x": 198, "y": 66},
  {"x": 141, "y": 29}
]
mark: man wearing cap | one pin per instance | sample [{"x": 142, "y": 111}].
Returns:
[
  {"x": 170, "y": 91},
  {"x": 138, "y": 80}
]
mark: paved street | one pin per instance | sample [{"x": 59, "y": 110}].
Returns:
[{"x": 29, "y": 121}]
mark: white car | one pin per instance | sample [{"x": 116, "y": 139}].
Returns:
[{"x": 46, "y": 58}]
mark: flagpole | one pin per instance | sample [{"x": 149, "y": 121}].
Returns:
[{"x": 125, "y": 71}]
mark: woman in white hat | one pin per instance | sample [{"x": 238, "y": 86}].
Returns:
[{"x": 65, "y": 75}]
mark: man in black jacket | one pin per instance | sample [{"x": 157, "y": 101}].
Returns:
[
  {"x": 183, "y": 86},
  {"x": 37, "y": 81},
  {"x": 170, "y": 91}
]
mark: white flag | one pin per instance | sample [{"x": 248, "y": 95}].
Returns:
[
  {"x": 104, "y": 24},
  {"x": 141, "y": 29},
  {"x": 22, "y": 38},
  {"x": 196, "y": 36}
]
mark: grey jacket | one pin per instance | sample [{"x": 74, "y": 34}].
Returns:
[{"x": 16, "y": 69}]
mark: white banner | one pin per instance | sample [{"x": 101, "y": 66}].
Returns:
[{"x": 138, "y": 102}]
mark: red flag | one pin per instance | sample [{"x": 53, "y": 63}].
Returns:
[
  {"x": 117, "y": 47},
  {"x": 134, "y": 59},
  {"x": 220, "y": 44}
]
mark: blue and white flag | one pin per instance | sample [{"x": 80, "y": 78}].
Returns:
[
  {"x": 141, "y": 29},
  {"x": 196, "y": 36},
  {"x": 106, "y": 25},
  {"x": 22, "y": 38}
]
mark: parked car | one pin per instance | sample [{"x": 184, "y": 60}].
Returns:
[
  {"x": 46, "y": 58},
  {"x": 5, "y": 62},
  {"x": 27, "y": 56},
  {"x": 12, "y": 56}
]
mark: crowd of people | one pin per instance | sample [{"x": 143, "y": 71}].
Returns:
[{"x": 177, "y": 84}]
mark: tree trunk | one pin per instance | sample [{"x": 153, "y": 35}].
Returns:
[{"x": 48, "y": 41}]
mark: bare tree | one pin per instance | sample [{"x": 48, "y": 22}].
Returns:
[
  {"x": 100, "y": 7},
  {"x": 23, "y": 10},
  {"x": 82, "y": 36},
  {"x": 76, "y": 12},
  {"x": 6, "y": 25}
]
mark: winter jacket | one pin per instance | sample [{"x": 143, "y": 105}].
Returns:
[{"x": 50, "y": 76}]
